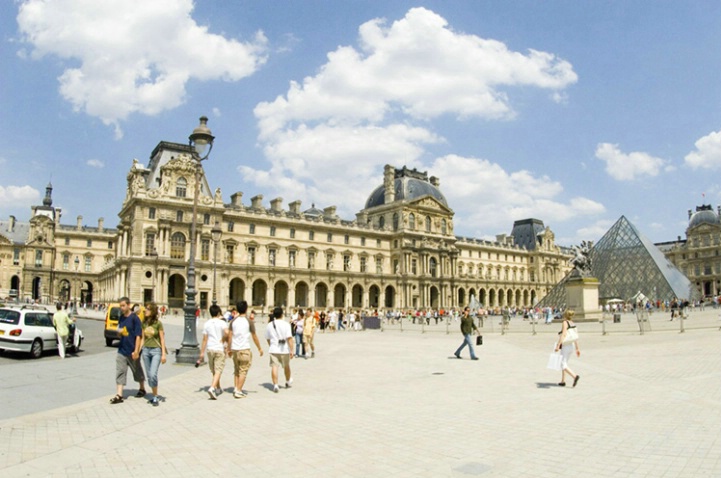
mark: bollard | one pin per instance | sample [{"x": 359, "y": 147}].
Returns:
[
  {"x": 448, "y": 324},
  {"x": 681, "y": 316},
  {"x": 533, "y": 323}
]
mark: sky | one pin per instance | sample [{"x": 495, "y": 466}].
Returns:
[{"x": 575, "y": 113}]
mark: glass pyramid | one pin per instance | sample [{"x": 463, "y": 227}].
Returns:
[{"x": 626, "y": 263}]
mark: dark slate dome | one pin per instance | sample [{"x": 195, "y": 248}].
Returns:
[
  {"x": 313, "y": 211},
  {"x": 407, "y": 188},
  {"x": 704, "y": 215}
]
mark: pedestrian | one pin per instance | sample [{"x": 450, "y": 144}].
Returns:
[
  {"x": 298, "y": 324},
  {"x": 62, "y": 323},
  {"x": 215, "y": 337},
  {"x": 309, "y": 326},
  {"x": 566, "y": 345},
  {"x": 129, "y": 330},
  {"x": 280, "y": 341},
  {"x": 241, "y": 330},
  {"x": 467, "y": 328},
  {"x": 341, "y": 324},
  {"x": 152, "y": 344}
]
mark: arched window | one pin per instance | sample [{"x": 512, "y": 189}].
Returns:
[
  {"x": 428, "y": 224},
  {"x": 180, "y": 187},
  {"x": 381, "y": 222},
  {"x": 412, "y": 221},
  {"x": 444, "y": 226},
  {"x": 177, "y": 246},
  {"x": 395, "y": 221}
]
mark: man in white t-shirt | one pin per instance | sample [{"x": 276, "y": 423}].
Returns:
[
  {"x": 241, "y": 330},
  {"x": 215, "y": 337},
  {"x": 280, "y": 339}
]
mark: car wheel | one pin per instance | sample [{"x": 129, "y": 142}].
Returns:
[
  {"x": 80, "y": 342},
  {"x": 108, "y": 342},
  {"x": 36, "y": 349}
]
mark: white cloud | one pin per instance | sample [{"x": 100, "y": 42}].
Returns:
[
  {"x": 487, "y": 198},
  {"x": 374, "y": 104},
  {"x": 216, "y": 112},
  {"x": 327, "y": 164},
  {"x": 628, "y": 166},
  {"x": 418, "y": 67},
  {"x": 132, "y": 56},
  {"x": 708, "y": 152},
  {"x": 95, "y": 163},
  {"x": 18, "y": 196}
]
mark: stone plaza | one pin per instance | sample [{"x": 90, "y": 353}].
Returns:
[{"x": 391, "y": 403}]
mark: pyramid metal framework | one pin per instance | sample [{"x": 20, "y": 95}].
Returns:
[{"x": 626, "y": 263}]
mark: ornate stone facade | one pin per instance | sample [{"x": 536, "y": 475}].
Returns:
[
  {"x": 699, "y": 255},
  {"x": 399, "y": 252}
]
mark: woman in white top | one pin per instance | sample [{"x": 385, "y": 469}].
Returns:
[{"x": 567, "y": 349}]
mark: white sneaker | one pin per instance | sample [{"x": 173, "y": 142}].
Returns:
[
  {"x": 239, "y": 395},
  {"x": 289, "y": 383},
  {"x": 275, "y": 388},
  {"x": 211, "y": 392}
]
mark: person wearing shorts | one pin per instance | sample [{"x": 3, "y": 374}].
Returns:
[
  {"x": 280, "y": 341},
  {"x": 241, "y": 330},
  {"x": 215, "y": 337}
]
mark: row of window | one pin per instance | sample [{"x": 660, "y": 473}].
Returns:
[
  {"x": 412, "y": 223},
  {"x": 88, "y": 243}
]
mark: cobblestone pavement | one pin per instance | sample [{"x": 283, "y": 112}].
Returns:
[{"x": 397, "y": 403}]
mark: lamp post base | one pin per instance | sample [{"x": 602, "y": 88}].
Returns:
[{"x": 186, "y": 355}]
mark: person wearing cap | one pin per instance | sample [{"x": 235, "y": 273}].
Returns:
[{"x": 280, "y": 340}]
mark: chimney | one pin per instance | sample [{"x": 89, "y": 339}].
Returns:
[
  {"x": 329, "y": 212},
  {"x": 101, "y": 224},
  {"x": 236, "y": 199},
  {"x": 80, "y": 223},
  {"x": 295, "y": 207},
  {"x": 435, "y": 181},
  {"x": 389, "y": 183},
  {"x": 11, "y": 224},
  {"x": 689, "y": 214},
  {"x": 276, "y": 205},
  {"x": 362, "y": 218},
  {"x": 58, "y": 215},
  {"x": 256, "y": 202}
]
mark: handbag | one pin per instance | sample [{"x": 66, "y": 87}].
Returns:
[
  {"x": 571, "y": 335},
  {"x": 554, "y": 361},
  {"x": 479, "y": 340}
]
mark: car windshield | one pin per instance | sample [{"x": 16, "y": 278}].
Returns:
[
  {"x": 115, "y": 313},
  {"x": 9, "y": 316}
]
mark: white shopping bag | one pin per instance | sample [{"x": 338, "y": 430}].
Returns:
[{"x": 554, "y": 361}]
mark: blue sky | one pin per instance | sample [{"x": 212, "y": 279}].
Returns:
[{"x": 571, "y": 112}]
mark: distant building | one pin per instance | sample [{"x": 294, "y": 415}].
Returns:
[
  {"x": 400, "y": 251},
  {"x": 699, "y": 255}
]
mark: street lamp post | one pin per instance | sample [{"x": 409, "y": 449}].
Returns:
[
  {"x": 216, "y": 234},
  {"x": 201, "y": 143},
  {"x": 154, "y": 255},
  {"x": 77, "y": 285}
]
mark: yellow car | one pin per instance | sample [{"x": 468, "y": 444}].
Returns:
[{"x": 112, "y": 315}]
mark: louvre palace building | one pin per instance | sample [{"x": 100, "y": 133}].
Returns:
[{"x": 399, "y": 252}]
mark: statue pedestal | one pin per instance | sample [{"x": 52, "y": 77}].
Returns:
[{"x": 582, "y": 298}]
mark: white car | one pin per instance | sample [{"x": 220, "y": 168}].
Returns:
[{"x": 30, "y": 329}]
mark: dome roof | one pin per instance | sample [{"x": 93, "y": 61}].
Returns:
[
  {"x": 704, "y": 215},
  {"x": 408, "y": 189},
  {"x": 313, "y": 211}
]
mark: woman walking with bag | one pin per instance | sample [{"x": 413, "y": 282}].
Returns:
[
  {"x": 567, "y": 343},
  {"x": 152, "y": 344}
]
